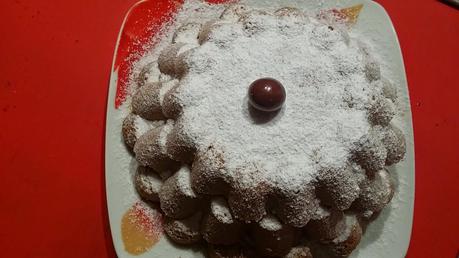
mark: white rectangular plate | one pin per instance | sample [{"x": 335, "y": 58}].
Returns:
[{"x": 388, "y": 236}]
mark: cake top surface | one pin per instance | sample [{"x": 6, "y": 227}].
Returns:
[{"x": 322, "y": 70}]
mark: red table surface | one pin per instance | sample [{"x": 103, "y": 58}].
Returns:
[{"x": 55, "y": 61}]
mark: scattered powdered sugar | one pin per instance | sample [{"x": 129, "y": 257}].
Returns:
[
  {"x": 188, "y": 226},
  {"x": 348, "y": 227},
  {"x": 384, "y": 189},
  {"x": 221, "y": 210},
  {"x": 165, "y": 131},
  {"x": 150, "y": 73},
  {"x": 270, "y": 223},
  {"x": 142, "y": 125},
  {"x": 187, "y": 34},
  {"x": 167, "y": 86},
  {"x": 321, "y": 72},
  {"x": 192, "y": 11},
  {"x": 141, "y": 219},
  {"x": 195, "y": 11},
  {"x": 150, "y": 182},
  {"x": 321, "y": 213},
  {"x": 184, "y": 181}
]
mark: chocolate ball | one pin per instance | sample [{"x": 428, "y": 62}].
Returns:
[{"x": 266, "y": 94}]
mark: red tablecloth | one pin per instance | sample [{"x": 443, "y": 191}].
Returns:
[{"x": 55, "y": 60}]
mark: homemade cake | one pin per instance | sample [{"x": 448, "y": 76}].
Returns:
[{"x": 264, "y": 131}]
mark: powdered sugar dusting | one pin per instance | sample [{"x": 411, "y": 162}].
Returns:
[
  {"x": 221, "y": 210},
  {"x": 165, "y": 88},
  {"x": 270, "y": 223},
  {"x": 142, "y": 125},
  {"x": 317, "y": 125},
  {"x": 188, "y": 226},
  {"x": 192, "y": 11},
  {"x": 349, "y": 225},
  {"x": 184, "y": 181},
  {"x": 167, "y": 128},
  {"x": 151, "y": 182}
]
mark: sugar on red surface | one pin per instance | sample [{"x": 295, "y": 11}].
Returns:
[
  {"x": 145, "y": 14},
  {"x": 56, "y": 58}
]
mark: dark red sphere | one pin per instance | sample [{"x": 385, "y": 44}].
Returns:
[{"x": 266, "y": 94}]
